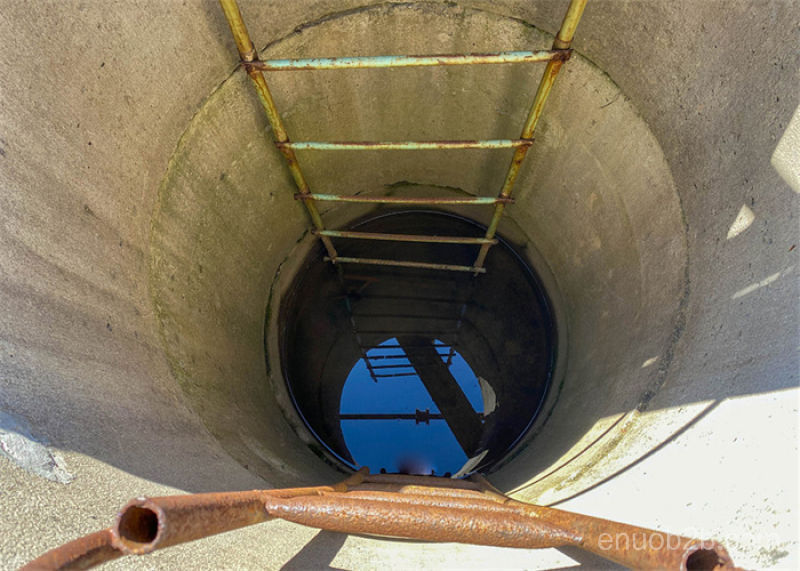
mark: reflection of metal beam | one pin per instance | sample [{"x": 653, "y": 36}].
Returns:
[
  {"x": 420, "y": 416},
  {"x": 442, "y": 346},
  {"x": 463, "y": 421}
]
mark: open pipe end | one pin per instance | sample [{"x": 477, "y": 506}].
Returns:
[
  {"x": 138, "y": 528},
  {"x": 706, "y": 556}
]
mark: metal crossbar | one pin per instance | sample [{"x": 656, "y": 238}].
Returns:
[
  {"x": 373, "y": 62},
  {"x": 404, "y": 237},
  {"x": 397, "y": 346},
  {"x": 356, "y": 332},
  {"x": 405, "y": 264},
  {"x": 419, "y": 416},
  {"x": 407, "y": 201},
  {"x": 426, "y": 508},
  {"x": 255, "y": 68},
  {"x": 408, "y": 145}
]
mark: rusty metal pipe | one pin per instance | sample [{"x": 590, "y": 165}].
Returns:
[
  {"x": 472, "y": 502},
  {"x": 396, "y": 505},
  {"x": 83, "y": 553},
  {"x": 421, "y": 481},
  {"x": 428, "y": 523},
  {"x": 633, "y": 546},
  {"x": 146, "y": 524},
  {"x": 470, "y": 517},
  {"x": 562, "y": 41},
  {"x": 400, "y": 490}
]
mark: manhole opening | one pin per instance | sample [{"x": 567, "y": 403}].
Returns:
[{"x": 417, "y": 370}]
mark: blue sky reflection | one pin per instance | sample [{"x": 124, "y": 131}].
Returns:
[{"x": 385, "y": 443}]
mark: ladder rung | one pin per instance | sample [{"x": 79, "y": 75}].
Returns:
[
  {"x": 399, "y": 316},
  {"x": 370, "y": 347},
  {"x": 365, "y": 62},
  {"x": 477, "y": 200},
  {"x": 392, "y": 366},
  {"x": 418, "y": 299},
  {"x": 405, "y": 237},
  {"x": 403, "y": 356},
  {"x": 430, "y": 332},
  {"x": 406, "y": 145},
  {"x": 405, "y": 264}
]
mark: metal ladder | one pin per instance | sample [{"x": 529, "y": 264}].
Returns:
[{"x": 255, "y": 67}]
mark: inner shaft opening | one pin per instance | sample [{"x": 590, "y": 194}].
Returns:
[{"x": 417, "y": 370}]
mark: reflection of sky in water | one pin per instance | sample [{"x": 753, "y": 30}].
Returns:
[{"x": 382, "y": 443}]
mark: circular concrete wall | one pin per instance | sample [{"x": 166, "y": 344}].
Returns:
[
  {"x": 596, "y": 213},
  {"x": 149, "y": 228}
]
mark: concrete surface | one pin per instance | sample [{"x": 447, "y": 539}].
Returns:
[{"x": 145, "y": 220}]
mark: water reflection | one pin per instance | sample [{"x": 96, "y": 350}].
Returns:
[
  {"x": 389, "y": 419},
  {"x": 371, "y": 340}
]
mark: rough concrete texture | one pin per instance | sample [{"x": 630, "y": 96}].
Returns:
[{"x": 145, "y": 217}]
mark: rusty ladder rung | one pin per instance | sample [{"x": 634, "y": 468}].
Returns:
[
  {"x": 404, "y": 237},
  {"x": 404, "y": 264}
]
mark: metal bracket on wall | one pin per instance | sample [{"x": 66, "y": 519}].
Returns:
[{"x": 256, "y": 67}]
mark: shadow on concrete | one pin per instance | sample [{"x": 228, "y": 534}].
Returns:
[{"x": 317, "y": 553}]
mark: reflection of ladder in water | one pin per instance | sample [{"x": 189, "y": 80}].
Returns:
[
  {"x": 427, "y": 362},
  {"x": 385, "y": 366},
  {"x": 255, "y": 67}
]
